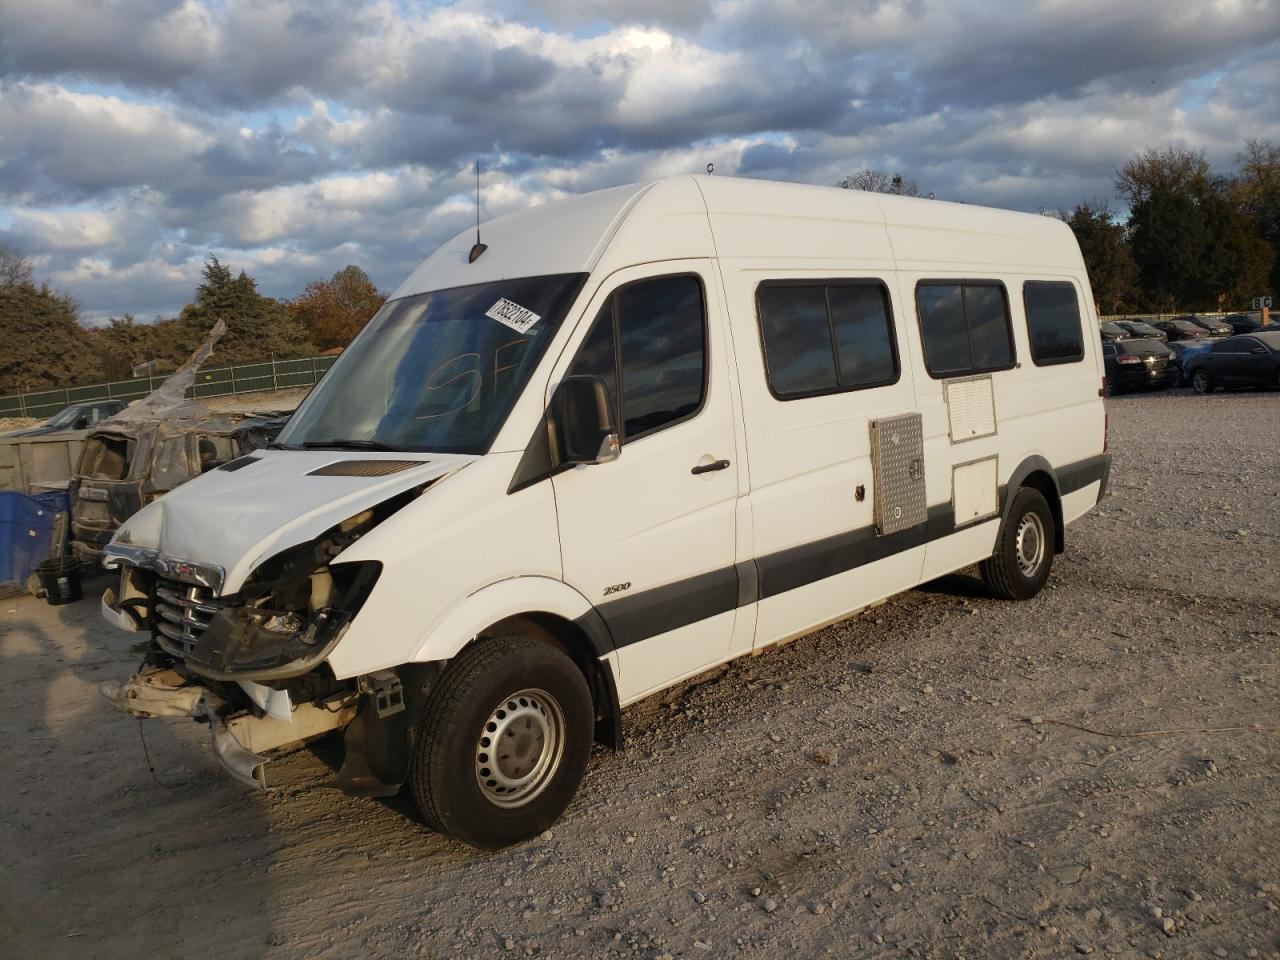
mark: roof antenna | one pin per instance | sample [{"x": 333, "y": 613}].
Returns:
[{"x": 479, "y": 247}]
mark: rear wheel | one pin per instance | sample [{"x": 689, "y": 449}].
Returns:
[
  {"x": 1201, "y": 382},
  {"x": 502, "y": 743},
  {"x": 1024, "y": 549}
]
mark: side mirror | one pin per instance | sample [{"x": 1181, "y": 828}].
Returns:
[
  {"x": 585, "y": 422},
  {"x": 80, "y": 424}
]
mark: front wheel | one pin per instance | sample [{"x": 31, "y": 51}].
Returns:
[
  {"x": 1201, "y": 382},
  {"x": 502, "y": 743},
  {"x": 1024, "y": 549}
]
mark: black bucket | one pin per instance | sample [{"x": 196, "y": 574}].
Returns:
[{"x": 60, "y": 578}]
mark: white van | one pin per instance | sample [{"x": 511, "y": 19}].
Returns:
[{"x": 630, "y": 436}]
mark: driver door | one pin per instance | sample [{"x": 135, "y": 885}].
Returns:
[{"x": 649, "y": 538}]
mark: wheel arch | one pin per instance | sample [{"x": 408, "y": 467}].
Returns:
[
  {"x": 546, "y": 610},
  {"x": 1037, "y": 473}
]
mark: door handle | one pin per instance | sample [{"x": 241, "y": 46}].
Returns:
[{"x": 709, "y": 467}]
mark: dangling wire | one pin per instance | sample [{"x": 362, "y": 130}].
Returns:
[{"x": 147, "y": 754}]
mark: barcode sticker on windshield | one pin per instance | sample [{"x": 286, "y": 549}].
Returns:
[{"x": 513, "y": 315}]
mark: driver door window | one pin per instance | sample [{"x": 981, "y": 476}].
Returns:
[{"x": 650, "y": 337}]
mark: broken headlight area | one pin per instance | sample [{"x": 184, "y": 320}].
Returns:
[
  {"x": 266, "y": 633},
  {"x": 283, "y": 622}
]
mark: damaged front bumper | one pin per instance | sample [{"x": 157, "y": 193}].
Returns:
[{"x": 242, "y": 737}]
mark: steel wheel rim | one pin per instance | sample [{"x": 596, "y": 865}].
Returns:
[
  {"x": 519, "y": 748},
  {"x": 1029, "y": 545}
]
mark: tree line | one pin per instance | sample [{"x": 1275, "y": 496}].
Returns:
[
  {"x": 46, "y": 345},
  {"x": 1193, "y": 239}
]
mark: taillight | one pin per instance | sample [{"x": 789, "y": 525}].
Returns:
[
  {"x": 1106, "y": 431},
  {"x": 1127, "y": 359}
]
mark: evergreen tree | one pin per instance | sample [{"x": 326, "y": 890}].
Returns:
[
  {"x": 258, "y": 327},
  {"x": 1113, "y": 275},
  {"x": 1167, "y": 233}
]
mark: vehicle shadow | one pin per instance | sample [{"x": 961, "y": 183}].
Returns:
[
  {"x": 99, "y": 857},
  {"x": 956, "y": 585}
]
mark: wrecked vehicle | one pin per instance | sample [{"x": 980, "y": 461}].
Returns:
[
  {"x": 127, "y": 464},
  {"x": 627, "y": 437},
  {"x": 156, "y": 444}
]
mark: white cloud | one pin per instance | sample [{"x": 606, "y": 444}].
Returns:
[{"x": 296, "y": 136}]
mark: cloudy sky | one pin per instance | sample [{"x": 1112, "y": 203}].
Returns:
[{"x": 292, "y": 137}]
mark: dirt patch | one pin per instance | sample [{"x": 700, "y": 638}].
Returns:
[
  {"x": 890, "y": 786},
  {"x": 255, "y": 402}
]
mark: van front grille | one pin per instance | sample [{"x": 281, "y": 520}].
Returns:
[{"x": 183, "y": 612}]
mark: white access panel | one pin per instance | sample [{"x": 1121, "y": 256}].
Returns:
[
  {"x": 974, "y": 494},
  {"x": 971, "y": 408}
]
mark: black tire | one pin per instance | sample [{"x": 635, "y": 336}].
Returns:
[
  {"x": 444, "y": 771},
  {"x": 1005, "y": 575},
  {"x": 1202, "y": 383}
]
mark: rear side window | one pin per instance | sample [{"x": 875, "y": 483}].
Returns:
[
  {"x": 826, "y": 337},
  {"x": 1053, "y": 322},
  {"x": 648, "y": 344},
  {"x": 965, "y": 326},
  {"x": 1231, "y": 346}
]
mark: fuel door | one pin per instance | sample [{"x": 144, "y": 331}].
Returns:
[{"x": 897, "y": 458}]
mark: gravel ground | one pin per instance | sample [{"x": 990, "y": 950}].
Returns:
[{"x": 906, "y": 783}]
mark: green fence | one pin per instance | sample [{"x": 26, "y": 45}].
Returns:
[{"x": 214, "y": 382}]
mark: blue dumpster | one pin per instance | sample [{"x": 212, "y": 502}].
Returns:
[{"x": 26, "y": 532}]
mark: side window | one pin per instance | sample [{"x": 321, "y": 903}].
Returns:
[
  {"x": 650, "y": 337},
  {"x": 1053, "y": 322},
  {"x": 965, "y": 327},
  {"x": 827, "y": 337},
  {"x": 1228, "y": 346},
  {"x": 798, "y": 353}
]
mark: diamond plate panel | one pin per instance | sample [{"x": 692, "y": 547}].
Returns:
[{"x": 897, "y": 458}]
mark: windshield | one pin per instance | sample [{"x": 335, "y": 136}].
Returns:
[
  {"x": 65, "y": 418},
  {"x": 436, "y": 371}
]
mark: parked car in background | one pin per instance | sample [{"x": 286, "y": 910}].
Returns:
[
  {"x": 1183, "y": 351},
  {"x": 1240, "y": 323},
  {"x": 1137, "y": 328},
  {"x": 1215, "y": 326},
  {"x": 1112, "y": 331},
  {"x": 78, "y": 416},
  {"x": 1251, "y": 360},
  {"x": 1180, "y": 329},
  {"x": 1137, "y": 364}
]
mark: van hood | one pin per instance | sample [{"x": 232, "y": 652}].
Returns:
[{"x": 247, "y": 511}]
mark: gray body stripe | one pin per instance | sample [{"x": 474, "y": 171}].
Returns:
[{"x": 674, "y": 605}]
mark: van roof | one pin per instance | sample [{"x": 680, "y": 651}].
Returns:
[{"x": 734, "y": 217}]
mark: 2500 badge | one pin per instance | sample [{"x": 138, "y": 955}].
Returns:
[{"x": 617, "y": 588}]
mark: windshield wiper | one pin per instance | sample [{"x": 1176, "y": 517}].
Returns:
[{"x": 345, "y": 445}]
